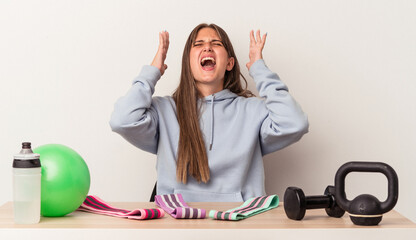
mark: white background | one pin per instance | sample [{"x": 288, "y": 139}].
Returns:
[{"x": 351, "y": 65}]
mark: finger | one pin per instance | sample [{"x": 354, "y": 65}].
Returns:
[
  {"x": 263, "y": 40},
  {"x": 160, "y": 40},
  {"x": 258, "y": 36},
  {"x": 162, "y": 43},
  {"x": 162, "y": 35},
  {"x": 252, "y": 40},
  {"x": 167, "y": 40}
]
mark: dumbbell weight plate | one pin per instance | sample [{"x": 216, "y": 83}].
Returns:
[
  {"x": 334, "y": 210},
  {"x": 294, "y": 203}
]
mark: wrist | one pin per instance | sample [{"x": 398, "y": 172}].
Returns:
[{"x": 258, "y": 64}]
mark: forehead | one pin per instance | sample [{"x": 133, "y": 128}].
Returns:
[{"x": 207, "y": 34}]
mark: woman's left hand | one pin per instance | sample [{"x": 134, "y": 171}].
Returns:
[{"x": 256, "y": 47}]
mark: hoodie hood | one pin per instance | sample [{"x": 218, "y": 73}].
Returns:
[{"x": 219, "y": 96}]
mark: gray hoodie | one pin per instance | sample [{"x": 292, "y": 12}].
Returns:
[{"x": 237, "y": 131}]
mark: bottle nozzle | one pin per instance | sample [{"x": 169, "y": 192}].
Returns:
[{"x": 26, "y": 145}]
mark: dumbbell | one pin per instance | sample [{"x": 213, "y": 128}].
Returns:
[{"x": 295, "y": 203}]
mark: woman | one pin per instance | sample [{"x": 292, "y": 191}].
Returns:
[{"x": 210, "y": 136}]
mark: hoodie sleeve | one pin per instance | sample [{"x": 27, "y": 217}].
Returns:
[
  {"x": 285, "y": 122},
  {"x": 134, "y": 117}
]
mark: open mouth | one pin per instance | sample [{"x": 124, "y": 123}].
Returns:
[{"x": 208, "y": 63}]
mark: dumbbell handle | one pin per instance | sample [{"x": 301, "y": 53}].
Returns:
[{"x": 318, "y": 201}]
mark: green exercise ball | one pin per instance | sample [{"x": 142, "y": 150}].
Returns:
[{"x": 65, "y": 180}]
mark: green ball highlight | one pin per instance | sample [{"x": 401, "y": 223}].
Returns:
[{"x": 65, "y": 180}]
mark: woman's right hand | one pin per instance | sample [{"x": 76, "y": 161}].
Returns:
[{"x": 159, "y": 60}]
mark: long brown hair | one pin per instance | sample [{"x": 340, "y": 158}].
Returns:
[{"x": 192, "y": 156}]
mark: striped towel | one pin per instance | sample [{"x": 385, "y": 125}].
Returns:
[
  {"x": 94, "y": 204},
  {"x": 249, "y": 208},
  {"x": 175, "y": 206}
]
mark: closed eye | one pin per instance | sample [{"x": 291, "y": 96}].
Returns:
[
  {"x": 217, "y": 43},
  {"x": 214, "y": 42}
]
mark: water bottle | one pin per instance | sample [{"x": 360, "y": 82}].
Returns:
[{"x": 26, "y": 186}]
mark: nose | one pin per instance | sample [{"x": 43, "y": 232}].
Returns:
[{"x": 207, "y": 47}]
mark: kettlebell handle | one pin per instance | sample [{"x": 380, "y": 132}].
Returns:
[{"x": 380, "y": 167}]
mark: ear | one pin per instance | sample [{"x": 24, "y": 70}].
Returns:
[{"x": 230, "y": 64}]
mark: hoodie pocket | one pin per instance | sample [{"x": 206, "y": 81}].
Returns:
[{"x": 201, "y": 196}]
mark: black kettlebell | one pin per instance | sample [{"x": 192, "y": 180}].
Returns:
[{"x": 366, "y": 209}]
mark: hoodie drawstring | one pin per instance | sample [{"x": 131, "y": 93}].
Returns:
[{"x": 212, "y": 122}]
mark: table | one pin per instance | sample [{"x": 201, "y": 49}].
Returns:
[{"x": 272, "y": 224}]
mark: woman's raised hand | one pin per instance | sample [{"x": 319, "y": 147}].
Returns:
[
  {"x": 159, "y": 60},
  {"x": 256, "y": 47}
]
